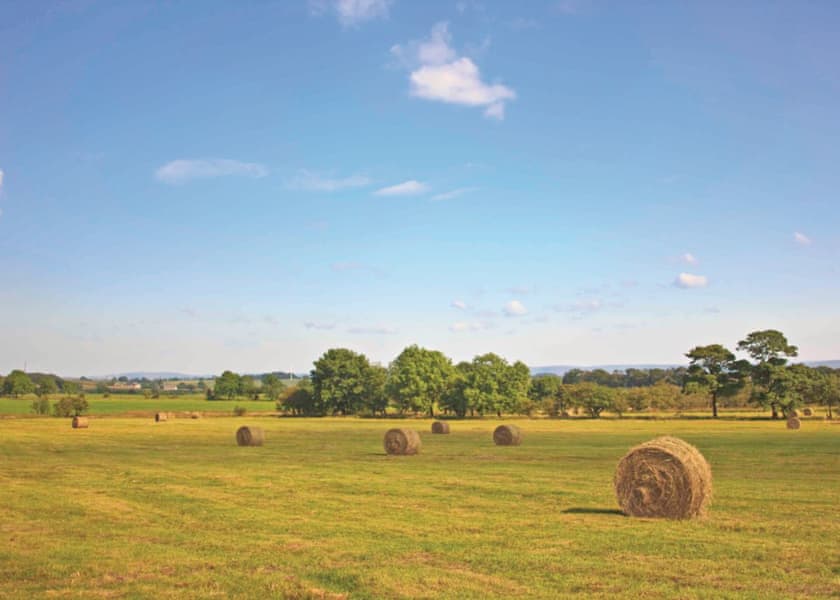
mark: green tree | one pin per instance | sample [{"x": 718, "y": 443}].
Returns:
[
  {"x": 417, "y": 379},
  {"x": 825, "y": 388},
  {"x": 514, "y": 389},
  {"x": 227, "y": 385},
  {"x": 18, "y": 383},
  {"x": 272, "y": 386},
  {"x": 248, "y": 388},
  {"x": 712, "y": 368},
  {"x": 376, "y": 394},
  {"x": 299, "y": 400},
  {"x": 47, "y": 385},
  {"x": 71, "y": 406},
  {"x": 340, "y": 381},
  {"x": 591, "y": 397},
  {"x": 545, "y": 391},
  {"x": 770, "y": 350},
  {"x": 454, "y": 398}
]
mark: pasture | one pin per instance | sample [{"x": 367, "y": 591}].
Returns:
[{"x": 131, "y": 508}]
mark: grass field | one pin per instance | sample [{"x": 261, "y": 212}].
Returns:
[
  {"x": 136, "y": 404},
  {"x": 130, "y": 508}
]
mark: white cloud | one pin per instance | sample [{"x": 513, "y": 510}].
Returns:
[
  {"x": 801, "y": 239},
  {"x": 183, "y": 170},
  {"x": 459, "y": 304},
  {"x": 689, "y": 259},
  {"x": 314, "y": 182},
  {"x": 351, "y": 12},
  {"x": 459, "y": 82},
  {"x": 1, "y": 179},
  {"x": 406, "y": 188},
  {"x": 687, "y": 281},
  {"x": 515, "y": 308},
  {"x": 439, "y": 74},
  {"x": 314, "y": 325},
  {"x": 453, "y": 194}
]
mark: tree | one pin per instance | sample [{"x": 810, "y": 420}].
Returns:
[
  {"x": 272, "y": 386},
  {"x": 825, "y": 388},
  {"x": 46, "y": 386},
  {"x": 417, "y": 379},
  {"x": 299, "y": 399},
  {"x": 770, "y": 349},
  {"x": 340, "y": 381},
  {"x": 712, "y": 369},
  {"x": 514, "y": 388},
  {"x": 248, "y": 388},
  {"x": 71, "y": 406},
  {"x": 17, "y": 383},
  {"x": 227, "y": 385},
  {"x": 545, "y": 391},
  {"x": 591, "y": 397},
  {"x": 454, "y": 398},
  {"x": 376, "y": 395}
]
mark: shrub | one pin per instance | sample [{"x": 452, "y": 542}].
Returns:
[
  {"x": 239, "y": 411},
  {"x": 70, "y": 406},
  {"x": 41, "y": 406}
]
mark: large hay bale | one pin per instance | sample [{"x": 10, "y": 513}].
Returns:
[
  {"x": 507, "y": 435},
  {"x": 440, "y": 427},
  {"x": 807, "y": 412},
  {"x": 161, "y": 416},
  {"x": 665, "y": 477},
  {"x": 250, "y": 436},
  {"x": 402, "y": 441},
  {"x": 80, "y": 423},
  {"x": 793, "y": 423}
]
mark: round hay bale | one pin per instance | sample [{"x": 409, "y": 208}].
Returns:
[
  {"x": 195, "y": 415},
  {"x": 440, "y": 427},
  {"x": 666, "y": 478},
  {"x": 507, "y": 435},
  {"x": 80, "y": 423},
  {"x": 793, "y": 423},
  {"x": 250, "y": 436},
  {"x": 565, "y": 415},
  {"x": 792, "y": 414},
  {"x": 807, "y": 412},
  {"x": 161, "y": 416},
  {"x": 402, "y": 441}
]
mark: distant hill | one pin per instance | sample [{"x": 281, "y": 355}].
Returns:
[
  {"x": 152, "y": 375},
  {"x": 563, "y": 369}
]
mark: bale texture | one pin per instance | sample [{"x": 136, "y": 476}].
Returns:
[
  {"x": 440, "y": 427},
  {"x": 250, "y": 436},
  {"x": 507, "y": 435},
  {"x": 666, "y": 478},
  {"x": 161, "y": 416},
  {"x": 80, "y": 423},
  {"x": 793, "y": 423},
  {"x": 402, "y": 441},
  {"x": 807, "y": 412}
]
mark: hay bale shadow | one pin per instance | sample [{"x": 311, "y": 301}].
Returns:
[{"x": 578, "y": 510}]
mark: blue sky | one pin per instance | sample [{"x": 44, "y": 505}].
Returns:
[{"x": 201, "y": 186}]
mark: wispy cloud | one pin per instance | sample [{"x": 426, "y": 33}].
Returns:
[
  {"x": 351, "y": 12},
  {"x": 1, "y": 180},
  {"x": 454, "y": 193},
  {"x": 439, "y": 74},
  {"x": 406, "y": 188},
  {"x": 314, "y": 182},
  {"x": 183, "y": 170},
  {"x": 689, "y": 259},
  {"x": 321, "y": 326},
  {"x": 378, "y": 330},
  {"x": 514, "y": 308},
  {"x": 801, "y": 239},
  {"x": 459, "y": 304},
  {"x": 689, "y": 281}
]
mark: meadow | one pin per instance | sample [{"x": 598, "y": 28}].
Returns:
[{"x": 131, "y": 508}]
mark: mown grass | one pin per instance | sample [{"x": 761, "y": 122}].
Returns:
[
  {"x": 130, "y": 508},
  {"x": 136, "y": 404}
]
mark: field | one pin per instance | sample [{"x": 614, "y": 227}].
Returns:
[
  {"x": 130, "y": 508},
  {"x": 136, "y": 404}
]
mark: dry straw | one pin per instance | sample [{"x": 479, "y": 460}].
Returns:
[
  {"x": 793, "y": 423},
  {"x": 250, "y": 436},
  {"x": 807, "y": 412},
  {"x": 80, "y": 423},
  {"x": 507, "y": 435},
  {"x": 440, "y": 427},
  {"x": 161, "y": 416},
  {"x": 665, "y": 477},
  {"x": 402, "y": 441}
]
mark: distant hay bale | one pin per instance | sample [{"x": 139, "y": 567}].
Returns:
[
  {"x": 807, "y": 412},
  {"x": 565, "y": 415},
  {"x": 440, "y": 427},
  {"x": 507, "y": 435},
  {"x": 80, "y": 423},
  {"x": 195, "y": 415},
  {"x": 160, "y": 417},
  {"x": 402, "y": 441},
  {"x": 793, "y": 423},
  {"x": 666, "y": 478},
  {"x": 250, "y": 436},
  {"x": 792, "y": 414}
]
